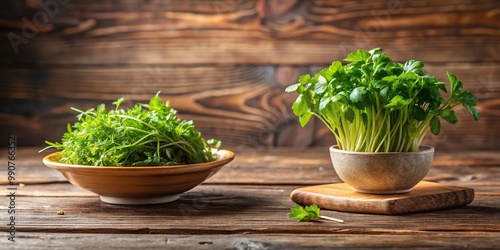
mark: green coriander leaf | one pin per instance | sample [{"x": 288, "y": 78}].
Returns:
[
  {"x": 467, "y": 98},
  {"x": 428, "y": 80},
  {"x": 386, "y": 94},
  {"x": 367, "y": 69},
  {"x": 357, "y": 94},
  {"x": 321, "y": 86},
  {"x": 304, "y": 119},
  {"x": 326, "y": 73},
  {"x": 408, "y": 77},
  {"x": 398, "y": 102},
  {"x": 335, "y": 67},
  {"x": 455, "y": 84},
  {"x": 458, "y": 88},
  {"x": 413, "y": 66},
  {"x": 435, "y": 125},
  {"x": 473, "y": 110},
  {"x": 292, "y": 88},
  {"x": 382, "y": 61},
  {"x": 374, "y": 50},
  {"x": 358, "y": 56},
  {"x": 339, "y": 97},
  {"x": 325, "y": 100},
  {"x": 304, "y": 79},
  {"x": 418, "y": 113},
  {"x": 449, "y": 115},
  {"x": 304, "y": 214},
  {"x": 299, "y": 107},
  {"x": 312, "y": 212},
  {"x": 441, "y": 86},
  {"x": 452, "y": 78},
  {"x": 390, "y": 79}
]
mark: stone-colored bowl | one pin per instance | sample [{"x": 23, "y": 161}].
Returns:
[
  {"x": 139, "y": 185},
  {"x": 382, "y": 173}
]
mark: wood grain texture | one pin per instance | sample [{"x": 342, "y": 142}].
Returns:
[
  {"x": 226, "y": 63},
  {"x": 241, "y": 211},
  {"x": 236, "y": 209},
  {"x": 244, "y": 106},
  {"x": 304, "y": 33},
  {"x": 294, "y": 166},
  {"x": 65, "y": 189},
  {"x": 425, "y": 196},
  {"x": 63, "y": 241}
]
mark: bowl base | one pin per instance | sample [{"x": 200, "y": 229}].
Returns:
[
  {"x": 402, "y": 191},
  {"x": 139, "y": 200}
]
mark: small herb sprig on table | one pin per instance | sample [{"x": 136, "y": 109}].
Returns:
[
  {"x": 144, "y": 135},
  {"x": 308, "y": 213},
  {"x": 373, "y": 104}
]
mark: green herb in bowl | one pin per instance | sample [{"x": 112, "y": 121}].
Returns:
[
  {"x": 373, "y": 104},
  {"x": 144, "y": 135}
]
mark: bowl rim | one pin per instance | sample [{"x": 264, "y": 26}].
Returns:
[
  {"x": 51, "y": 161},
  {"x": 423, "y": 149}
]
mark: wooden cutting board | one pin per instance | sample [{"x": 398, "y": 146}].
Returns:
[{"x": 425, "y": 196}]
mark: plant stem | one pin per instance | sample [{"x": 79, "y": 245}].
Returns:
[{"x": 331, "y": 218}]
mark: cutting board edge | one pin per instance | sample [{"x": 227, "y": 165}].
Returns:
[
  {"x": 386, "y": 207},
  {"x": 302, "y": 199}
]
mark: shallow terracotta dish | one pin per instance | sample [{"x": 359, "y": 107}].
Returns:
[{"x": 139, "y": 185}]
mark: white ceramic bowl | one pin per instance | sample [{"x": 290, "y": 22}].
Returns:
[{"x": 139, "y": 185}]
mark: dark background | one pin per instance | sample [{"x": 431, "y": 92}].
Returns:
[{"x": 225, "y": 64}]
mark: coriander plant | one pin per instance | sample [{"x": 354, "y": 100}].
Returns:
[
  {"x": 144, "y": 135},
  {"x": 373, "y": 104},
  {"x": 309, "y": 213}
]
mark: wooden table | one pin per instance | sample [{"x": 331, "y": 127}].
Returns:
[{"x": 245, "y": 206}]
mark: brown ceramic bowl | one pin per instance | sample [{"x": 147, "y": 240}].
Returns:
[{"x": 139, "y": 185}]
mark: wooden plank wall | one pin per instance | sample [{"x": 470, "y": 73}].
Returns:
[{"x": 226, "y": 63}]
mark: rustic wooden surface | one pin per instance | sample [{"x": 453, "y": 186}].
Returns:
[
  {"x": 425, "y": 196},
  {"x": 226, "y": 63},
  {"x": 245, "y": 206}
]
